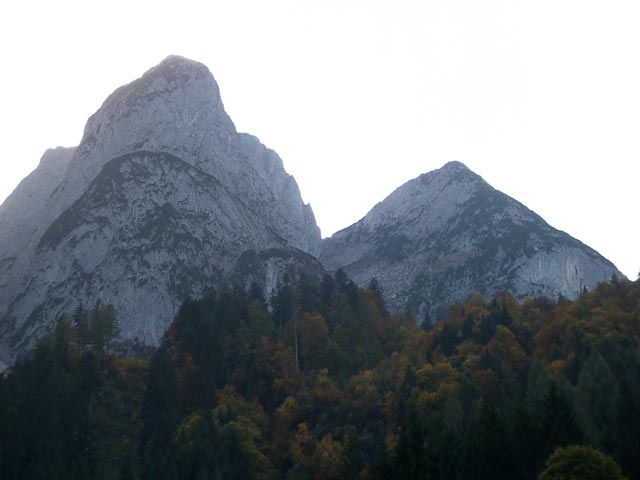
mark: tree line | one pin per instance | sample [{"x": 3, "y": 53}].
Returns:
[{"x": 320, "y": 381}]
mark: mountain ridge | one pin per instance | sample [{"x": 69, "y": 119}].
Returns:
[{"x": 163, "y": 198}]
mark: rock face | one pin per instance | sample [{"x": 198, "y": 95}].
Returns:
[
  {"x": 159, "y": 201},
  {"x": 448, "y": 234}
]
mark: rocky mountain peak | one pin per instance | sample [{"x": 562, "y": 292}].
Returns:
[
  {"x": 172, "y": 73},
  {"x": 453, "y": 172},
  {"x": 175, "y": 106},
  {"x": 453, "y": 166},
  {"x": 163, "y": 198},
  {"x": 447, "y": 234},
  {"x": 434, "y": 194}
]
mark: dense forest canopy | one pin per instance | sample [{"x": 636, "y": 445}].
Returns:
[{"x": 321, "y": 382}]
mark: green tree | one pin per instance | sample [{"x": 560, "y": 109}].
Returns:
[
  {"x": 127, "y": 469},
  {"x": 352, "y": 463},
  {"x": 159, "y": 411},
  {"x": 580, "y": 463},
  {"x": 283, "y": 305},
  {"x": 627, "y": 432},
  {"x": 375, "y": 287},
  {"x": 596, "y": 399},
  {"x": 313, "y": 333},
  {"x": 489, "y": 454},
  {"x": 193, "y": 449},
  {"x": 103, "y": 326},
  {"x": 231, "y": 463},
  {"x": 558, "y": 420},
  {"x": 81, "y": 324},
  {"x": 528, "y": 444}
]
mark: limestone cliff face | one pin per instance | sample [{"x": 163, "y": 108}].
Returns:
[
  {"x": 21, "y": 217},
  {"x": 176, "y": 108},
  {"x": 159, "y": 201},
  {"x": 448, "y": 234}
]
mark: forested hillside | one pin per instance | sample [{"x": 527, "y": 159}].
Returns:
[{"x": 321, "y": 382}]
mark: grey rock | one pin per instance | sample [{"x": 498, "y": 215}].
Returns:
[
  {"x": 159, "y": 201},
  {"x": 22, "y": 213},
  {"x": 448, "y": 234}
]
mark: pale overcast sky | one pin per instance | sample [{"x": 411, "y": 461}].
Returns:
[{"x": 539, "y": 97}]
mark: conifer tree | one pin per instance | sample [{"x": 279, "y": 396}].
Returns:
[
  {"x": 159, "y": 411},
  {"x": 558, "y": 421}
]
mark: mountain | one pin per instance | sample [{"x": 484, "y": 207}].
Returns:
[
  {"x": 164, "y": 199},
  {"x": 160, "y": 200},
  {"x": 447, "y": 234}
]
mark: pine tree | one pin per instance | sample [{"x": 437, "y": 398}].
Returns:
[
  {"x": 103, "y": 327},
  {"x": 159, "y": 411},
  {"x": 627, "y": 431},
  {"x": 489, "y": 455},
  {"x": 558, "y": 421}
]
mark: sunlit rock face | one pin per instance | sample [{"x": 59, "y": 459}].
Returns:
[
  {"x": 448, "y": 234},
  {"x": 159, "y": 201}
]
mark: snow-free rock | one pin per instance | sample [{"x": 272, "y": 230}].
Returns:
[
  {"x": 158, "y": 202},
  {"x": 448, "y": 234}
]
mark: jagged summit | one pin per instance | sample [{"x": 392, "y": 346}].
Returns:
[
  {"x": 175, "y": 106},
  {"x": 174, "y": 72},
  {"x": 447, "y": 234}
]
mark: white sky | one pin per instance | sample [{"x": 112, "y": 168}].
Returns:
[{"x": 539, "y": 97}]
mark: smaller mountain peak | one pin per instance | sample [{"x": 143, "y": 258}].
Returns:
[
  {"x": 452, "y": 173},
  {"x": 457, "y": 170},
  {"x": 454, "y": 165},
  {"x": 452, "y": 169}
]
